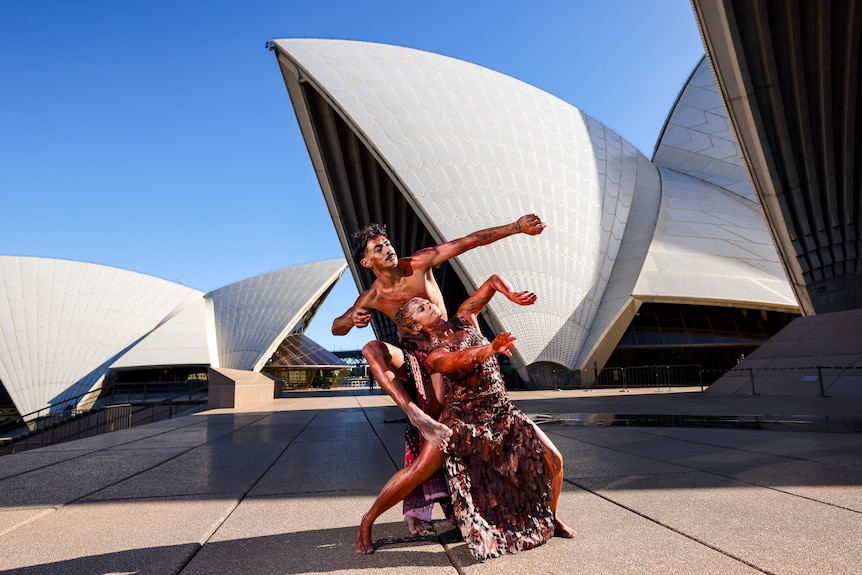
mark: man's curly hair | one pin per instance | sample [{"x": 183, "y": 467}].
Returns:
[{"x": 360, "y": 240}]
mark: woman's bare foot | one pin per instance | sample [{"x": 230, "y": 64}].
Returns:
[
  {"x": 364, "y": 544},
  {"x": 563, "y": 530},
  {"x": 431, "y": 429},
  {"x": 417, "y": 526}
]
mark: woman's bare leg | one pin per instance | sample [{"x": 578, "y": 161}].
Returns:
[
  {"x": 554, "y": 461},
  {"x": 396, "y": 489}
]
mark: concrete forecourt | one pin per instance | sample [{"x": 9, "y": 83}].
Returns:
[{"x": 281, "y": 490}]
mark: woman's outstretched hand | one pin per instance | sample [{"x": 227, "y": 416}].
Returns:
[
  {"x": 504, "y": 343},
  {"x": 525, "y": 297}
]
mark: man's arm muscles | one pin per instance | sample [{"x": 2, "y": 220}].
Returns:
[
  {"x": 357, "y": 316},
  {"x": 343, "y": 323},
  {"x": 430, "y": 257}
]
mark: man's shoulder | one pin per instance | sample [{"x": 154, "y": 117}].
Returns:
[
  {"x": 419, "y": 261},
  {"x": 368, "y": 295},
  {"x": 408, "y": 264},
  {"x": 416, "y": 270}
]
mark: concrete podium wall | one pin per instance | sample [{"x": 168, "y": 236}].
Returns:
[
  {"x": 813, "y": 353},
  {"x": 239, "y": 389}
]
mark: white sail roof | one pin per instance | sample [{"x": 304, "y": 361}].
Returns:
[
  {"x": 253, "y": 316},
  {"x": 63, "y": 322},
  {"x": 469, "y": 148}
]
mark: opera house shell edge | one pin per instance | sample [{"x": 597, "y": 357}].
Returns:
[
  {"x": 66, "y": 325},
  {"x": 436, "y": 148}
]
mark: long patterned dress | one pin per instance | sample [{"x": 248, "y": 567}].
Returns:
[{"x": 497, "y": 474}]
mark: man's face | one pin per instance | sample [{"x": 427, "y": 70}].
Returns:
[{"x": 379, "y": 254}]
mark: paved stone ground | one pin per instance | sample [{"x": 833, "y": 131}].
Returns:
[{"x": 281, "y": 491}]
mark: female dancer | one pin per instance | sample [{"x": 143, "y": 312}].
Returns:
[{"x": 504, "y": 473}]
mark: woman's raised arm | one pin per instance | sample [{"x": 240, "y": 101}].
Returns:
[
  {"x": 474, "y": 304},
  {"x": 445, "y": 361}
]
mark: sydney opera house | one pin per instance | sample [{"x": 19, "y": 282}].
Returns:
[
  {"x": 742, "y": 232},
  {"x": 747, "y": 215},
  {"x": 71, "y": 328},
  {"x": 740, "y": 236},
  {"x": 661, "y": 260}
]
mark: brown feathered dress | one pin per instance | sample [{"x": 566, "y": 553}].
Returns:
[{"x": 498, "y": 478}]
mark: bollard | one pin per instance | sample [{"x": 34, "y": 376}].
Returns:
[{"x": 820, "y": 379}]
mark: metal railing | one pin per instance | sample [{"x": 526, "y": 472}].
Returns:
[
  {"x": 149, "y": 392},
  {"x": 815, "y": 375},
  {"x": 79, "y": 423},
  {"x": 658, "y": 376},
  {"x": 39, "y": 429}
]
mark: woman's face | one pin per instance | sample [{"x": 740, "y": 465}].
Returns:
[{"x": 424, "y": 313}]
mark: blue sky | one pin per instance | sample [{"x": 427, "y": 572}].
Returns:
[{"x": 158, "y": 136}]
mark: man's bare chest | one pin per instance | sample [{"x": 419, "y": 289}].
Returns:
[{"x": 399, "y": 295}]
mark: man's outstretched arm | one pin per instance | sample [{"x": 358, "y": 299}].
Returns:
[{"x": 530, "y": 224}]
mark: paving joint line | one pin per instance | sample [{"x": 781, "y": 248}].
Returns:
[
  {"x": 88, "y": 453},
  {"x": 242, "y": 497},
  {"x": 671, "y": 528},
  {"x": 439, "y": 538},
  {"x": 56, "y": 508}
]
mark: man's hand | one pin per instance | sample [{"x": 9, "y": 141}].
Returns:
[
  {"x": 361, "y": 317},
  {"x": 531, "y": 224}
]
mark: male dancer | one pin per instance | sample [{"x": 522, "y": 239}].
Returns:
[{"x": 397, "y": 280}]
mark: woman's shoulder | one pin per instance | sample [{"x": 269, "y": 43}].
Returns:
[{"x": 416, "y": 343}]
